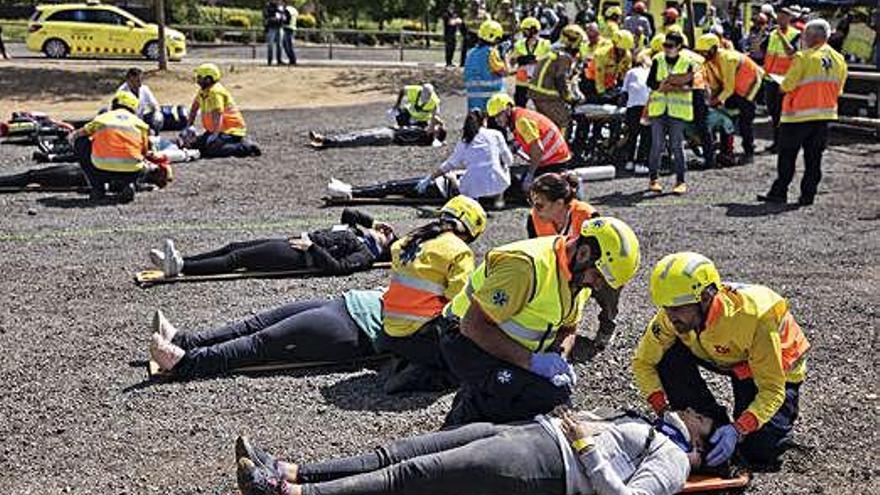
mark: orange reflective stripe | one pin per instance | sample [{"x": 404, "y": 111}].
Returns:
[
  {"x": 793, "y": 342},
  {"x": 555, "y": 148}
]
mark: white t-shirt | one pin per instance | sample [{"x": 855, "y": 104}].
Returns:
[
  {"x": 147, "y": 102},
  {"x": 635, "y": 85},
  {"x": 486, "y": 159}
]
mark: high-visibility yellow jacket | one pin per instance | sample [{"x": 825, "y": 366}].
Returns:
[
  {"x": 677, "y": 104},
  {"x": 218, "y": 99},
  {"x": 812, "y": 85},
  {"x": 417, "y": 111},
  {"x": 736, "y": 73},
  {"x": 587, "y": 51},
  {"x": 860, "y": 41},
  {"x": 776, "y": 61},
  {"x": 531, "y": 50},
  {"x": 551, "y": 77},
  {"x": 119, "y": 141},
  {"x": 606, "y": 69},
  {"x": 423, "y": 280},
  {"x": 523, "y": 287},
  {"x": 748, "y": 331}
]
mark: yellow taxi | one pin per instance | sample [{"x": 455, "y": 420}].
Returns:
[{"x": 95, "y": 30}]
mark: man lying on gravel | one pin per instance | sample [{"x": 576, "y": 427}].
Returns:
[
  {"x": 743, "y": 331},
  {"x": 557, "y": 454},
  {"x": 381, "y": 136}
]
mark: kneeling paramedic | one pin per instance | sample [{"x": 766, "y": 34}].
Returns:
[
  {"x": 111, "y": 149},
  {"x": 518, "y": 317},
  {"x": 417, "y": 105},
  {"x": 225, "y": 130},
  {"x": 743, "y": 331}
]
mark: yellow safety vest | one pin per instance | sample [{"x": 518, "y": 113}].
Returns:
[
  {"x": 859, "y": 41},
  {"x": 678, "y": 104},
  {"x": 520, "y": 49},
  {"x": 418, "y": 112},
  {"x": 776, "y": 61},
  {"x": 535, "y": 326}
]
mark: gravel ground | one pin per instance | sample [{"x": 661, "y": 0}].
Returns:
[{"x": 78, "y": 417}]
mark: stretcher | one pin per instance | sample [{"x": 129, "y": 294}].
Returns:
[
  {"x": 155, "y": 373},
  {"x": 605, "y": 123},
  {"x": 390, "y": 200},
  {"x": 149, "y": 278},
  {"x": 716, "y": 485}
]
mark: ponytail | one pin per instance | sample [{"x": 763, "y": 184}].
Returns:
[
  {"x": 410, "y": 242},
  {"x": 557, "y": 186},
  {"x": 472, "y": 125}
]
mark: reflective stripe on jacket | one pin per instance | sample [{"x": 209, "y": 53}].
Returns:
[
  {"x": 218, "y": 99},
  {"x": 119, "y": 141},
  {"x": 536, "y": 324},
  {"x": 812, "y": 85},
  {"x": 423, "y": 280},
  {"x": 677, "y": 104},
  {"x": 551, "y": 76},
  {"x": 539, "y": 50},
  {"x": 479, "y": 80},
  {"x": 776, "y": 61},
  {"x": 555, "y": 149},
  {"x": 417, "y": 111},
  {"x": 748, "y": 332},
  {"x": 578, "y": 213}
]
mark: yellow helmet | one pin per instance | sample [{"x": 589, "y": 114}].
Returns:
[
  {"x": 613, "y": 10},
  {"x": 208, "y": 70},
  {"x": 498, "y": 103},
  {"x": 469, "y": 212},
  {"x": 126, "y": 99},
  {"x": 706, "y": 42},
  {"x": 490, "y": 31},
  {"x": 680, "y": 278},
  {"x": 530, "y": 23},
  {"x": 657, "y": 43},
  {"x": 623, "y": 39},
  {"x": 572, "y": 36},
  {"x": 619, "y": 255}
]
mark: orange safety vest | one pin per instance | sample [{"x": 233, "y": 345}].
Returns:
[
  {"x": 119, "y": 141},
  {"x": 578, "y": 213},
  {"x": 231, "y": 122},
  {"x": 747, "y": 76},
  {"x": 775, "y": 60},
  {"x": 553, "y": 142},
  {"x": 819, "y": 75}
]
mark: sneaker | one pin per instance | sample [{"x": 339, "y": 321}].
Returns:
[
  {"x": 255, "y": 150},
  {"x": 126, "y": 195},
  {"x": 163, "y": 327},
  {"x": 157, "y": 258},
  {"x": 166, "y": 354},
  {"x": 767, "y": 198},
  {"x": 252, "y": 480},
  {"x": 339, "y": 189},
  {"x": 629, "y": 166},
  {"x": 805, "y": 200},
  {"x": 640, "y": 169},
  {"x": 655, "y": 186},
  {"x": 173, "y": 264},
  {"x": 244, "y": 448},
  {"x": 680, "y": 188}
]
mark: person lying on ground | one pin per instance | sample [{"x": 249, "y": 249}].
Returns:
[
  {"x": 71, "y": 176},
  {"x": 482, "y": 152},
  {"x": 337, "y": 330},
  {"x": 352, "y": 246},
  {"x": 552, "y": 454},
  {"x": 148, "y": 108},
  {"x": 417, "y": 105},
  {"x": 51, "y": 149},
  {"x": 555, "y": 207},
  {"x": 382, "y": 136},
  {"x": 225, "y": 130}
]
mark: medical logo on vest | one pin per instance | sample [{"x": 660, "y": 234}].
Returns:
[
  {"x": 504, "y": 377},
  {"x": 500, "y": 298}
]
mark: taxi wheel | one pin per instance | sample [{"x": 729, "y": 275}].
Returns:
[
  {"x": 55, "y": 48},
  {"x": 151, "y": 50}
]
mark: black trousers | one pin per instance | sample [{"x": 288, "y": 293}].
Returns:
[
  {"x": 100, "y": 179},
  {"x": 257, "y": 255},
  {"x": 68, "y": 175},
  {"x": 636, "y": 133},
  {"x": 684, "y": 386},
  {"x": 476, "y": 459},
  {"x": 521, "y": 96},
  {"x": 299, "y": 331},
  {"x": 450, "y": 43},
  {"x": 813, "y": 138},
  {"x": 773, "y": 99},
  {"x": 707, "y": 137},
  {"x": 745, "y": 121},
  {"x": 405, "y": 188},
  {"x": 494, "y": 390},
  {"x": 226, "y": 145}
]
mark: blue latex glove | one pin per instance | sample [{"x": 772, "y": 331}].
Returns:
[
  {"x": 553, "y": 367},
  {"x": 724, "y": 444},
  {"x": 423, "y": 184}
]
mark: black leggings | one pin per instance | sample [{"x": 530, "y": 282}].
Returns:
[
  {"x": 258, "y": 255},
  {"x": 405, "y": 188},
  {"x": 299, "y": 331},
  {"x": 70, "y": 175},
  {"x": 477, "y": 459}
]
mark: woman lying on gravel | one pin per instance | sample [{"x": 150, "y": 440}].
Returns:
[
  {"x": 352, "y": 246},
  {"x": 551, "y": 455},
  {"x": 337, "y": 330},
  {"x": 381, "y": 136},
  {"x": 71, "y": 176},
  {"x": 482, "y": 153}
]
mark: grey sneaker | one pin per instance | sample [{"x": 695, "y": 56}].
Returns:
[
  {"x": 162, "y": 326},
  {"x": 173, "y": 264},
  {"x": 157, "y": 258}
]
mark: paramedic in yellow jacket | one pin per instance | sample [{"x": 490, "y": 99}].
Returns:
[
  {"x": 610, "y": 63},
  {"x": 225, "y": 130},
  {"x": 743, "y": 331},
  {"x": 518, "y": 315},
  {"x": 550, "y": 86},
  {"x": 418, "y": 105},
  {"x": 430, "y": 265}
]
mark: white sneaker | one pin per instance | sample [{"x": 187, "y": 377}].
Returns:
[
  {"x": 164, "y": 353},
  {"x": 157, "y": 258},
  {"x": 173, "y": 263},
  {"x": 629, "y": 166},
  {"x": 162, "y": 326},
  {"x": 641, "y": 170},
  {"x": 339, "y": 189}
]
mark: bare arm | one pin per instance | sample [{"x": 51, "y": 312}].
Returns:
[
  {"x": 565, "y": 339},
  {"x": 479, "y": 328},
  {"x": 193, "y": 110}
]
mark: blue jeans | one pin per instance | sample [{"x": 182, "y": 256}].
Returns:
[
  {"x": 273, "y": 42},
  {"x": 660, "y": 128},
  {"x": 287, "y": 44}
]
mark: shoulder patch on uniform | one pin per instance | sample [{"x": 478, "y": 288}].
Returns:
[
  {"x": 656, "y": 328},
  {"x": 500, "y": 297},
  {"x": 504, "y": 376}
]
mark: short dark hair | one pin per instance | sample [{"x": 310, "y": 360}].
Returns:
[
  {"x": 134, "y": 71},
  {"x": 676, "y": 38}
]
